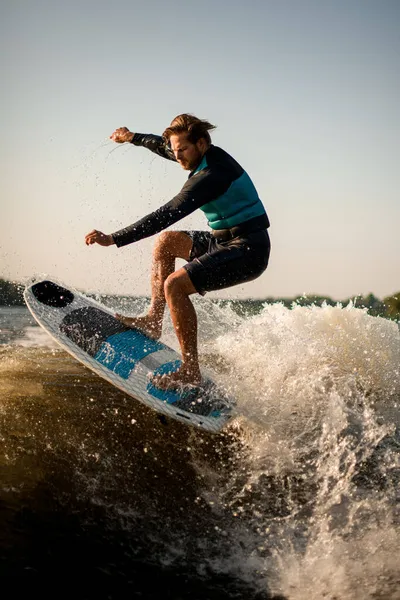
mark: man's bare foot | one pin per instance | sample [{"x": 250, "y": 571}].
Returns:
[
  {"x": 177, "y": 379},
  {"x": 146, "y": 325}
]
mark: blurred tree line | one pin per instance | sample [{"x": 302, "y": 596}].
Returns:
[
  {"x": 388, "y": 308},
  {"x": 11, "y": 294}
]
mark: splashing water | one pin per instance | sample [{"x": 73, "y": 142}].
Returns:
[{"x": 318, "y": 392}]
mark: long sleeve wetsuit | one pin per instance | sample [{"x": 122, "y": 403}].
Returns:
[{"x": 219, "y": 186}]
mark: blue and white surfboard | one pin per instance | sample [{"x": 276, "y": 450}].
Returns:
[{"x": 123, "y": 356}]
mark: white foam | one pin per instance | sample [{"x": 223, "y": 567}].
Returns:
[{"x": 318, "y": 389}]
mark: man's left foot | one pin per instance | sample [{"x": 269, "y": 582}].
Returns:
[{"x": 176, "y": 380}]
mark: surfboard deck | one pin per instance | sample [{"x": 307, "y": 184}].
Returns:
[{"x": 123, "y": 356}]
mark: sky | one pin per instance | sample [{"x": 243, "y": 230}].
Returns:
[{"x": 304, "y": 93}]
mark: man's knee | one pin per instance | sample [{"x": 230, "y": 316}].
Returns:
[
  {"x": 178, "y": 284},
  {"x": 174, "y": 244},
  {"x": 161, "y": 246}
]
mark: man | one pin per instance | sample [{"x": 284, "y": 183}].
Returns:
[{"x": 235, "y": 251}]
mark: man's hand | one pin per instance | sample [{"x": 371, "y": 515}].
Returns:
[
  {"x": 122, "y": 135},
  {"x": 97, "y": 237}
]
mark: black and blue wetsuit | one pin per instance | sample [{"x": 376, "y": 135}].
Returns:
[{"x": 237, "y": 248}]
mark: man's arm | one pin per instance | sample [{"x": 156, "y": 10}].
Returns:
[
  {"x": 155, "y": 143},
  {"x": 152, "y": 142},
  {"x": 197, "y": 191}
]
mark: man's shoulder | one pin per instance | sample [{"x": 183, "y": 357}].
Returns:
[
  {"x": 219, "y": 159},
  {"x": 217, "y": 152}
]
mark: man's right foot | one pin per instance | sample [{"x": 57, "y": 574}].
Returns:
[{"x": 146, "y": 325}]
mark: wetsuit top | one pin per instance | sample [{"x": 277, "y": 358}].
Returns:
[{"x": 219, "y": 186}]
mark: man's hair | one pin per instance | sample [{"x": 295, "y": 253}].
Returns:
[{"x": 194, "y": 127}]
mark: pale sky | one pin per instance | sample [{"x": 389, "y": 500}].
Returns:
[{"x": 305, "y": 94}]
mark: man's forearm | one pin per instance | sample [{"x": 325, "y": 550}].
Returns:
[
  {"x": 146, "y": 227},
  {"x": 173, "y": 211},
  {"x": 155, "y": 143}
]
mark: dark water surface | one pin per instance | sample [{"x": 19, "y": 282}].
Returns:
[{"x": 98, "y": 490}]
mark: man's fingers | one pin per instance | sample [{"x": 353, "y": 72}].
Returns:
[
  {"x": 119, "y": 135},
  {"x": 91, "y": 237},
  {"x": 98, "y": 237}
]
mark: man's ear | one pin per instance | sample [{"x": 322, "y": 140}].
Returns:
[{"x": 202, "y": 145}]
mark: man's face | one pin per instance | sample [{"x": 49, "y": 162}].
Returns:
[{"x": 188, "y": 155}]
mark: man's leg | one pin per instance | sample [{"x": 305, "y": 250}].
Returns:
[
  {"x": 178, "y": 287},
  {"x": 169, "y": 246}
]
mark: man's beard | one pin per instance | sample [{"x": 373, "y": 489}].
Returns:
[{"x": 192, "y": 164}]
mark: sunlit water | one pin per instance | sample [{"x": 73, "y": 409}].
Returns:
[{"x": 297, "y": 498}]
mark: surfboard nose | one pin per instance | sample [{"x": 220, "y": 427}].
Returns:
[{"x": 52, "y": 294}]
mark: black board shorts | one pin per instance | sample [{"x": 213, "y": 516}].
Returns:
[{"x": 215, "y": 264}]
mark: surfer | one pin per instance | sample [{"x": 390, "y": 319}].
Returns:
[{"x": 235, "y": 251}]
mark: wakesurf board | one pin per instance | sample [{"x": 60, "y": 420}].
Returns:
[{"x": 123, "y": 356}]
